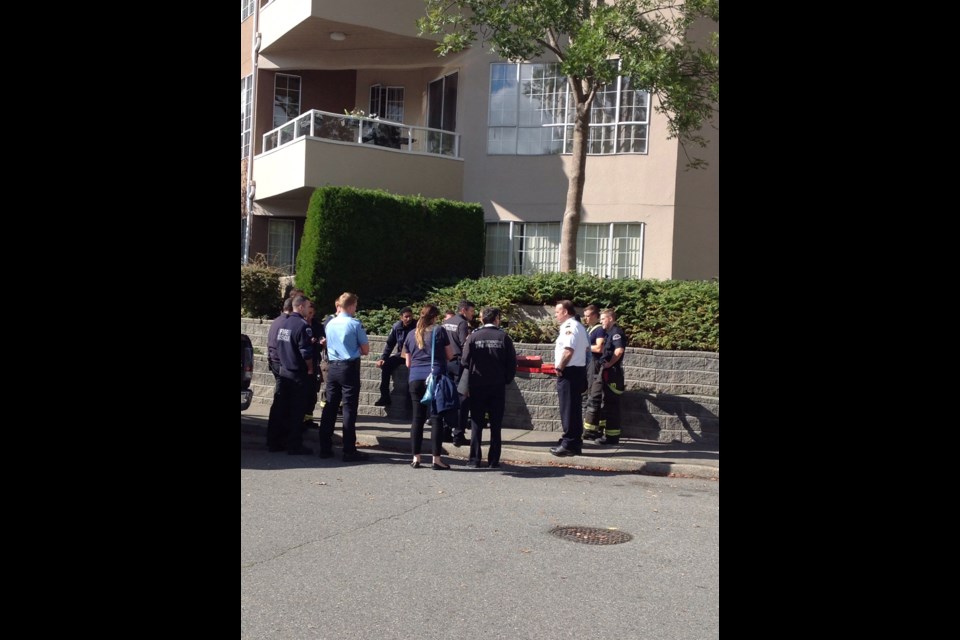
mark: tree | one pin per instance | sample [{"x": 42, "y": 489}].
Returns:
[{"x": 649, "y": 38}]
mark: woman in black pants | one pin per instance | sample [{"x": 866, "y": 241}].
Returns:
[{"x": 417, "y": 353}]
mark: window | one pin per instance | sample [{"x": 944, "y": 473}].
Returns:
[
  {"x": 531, "y": 113},
  {"x": 246, "y": 114},
  {"x": 286, "y": 98},
  {"x": 386, "y": 102},
  {"x": 442, "y": 114},
  {"x": 518, "y": 247},
  {"x": 280, "y": 237},
  {"x": 612, "y": 250},
  {"x": 246, "y": 9}
]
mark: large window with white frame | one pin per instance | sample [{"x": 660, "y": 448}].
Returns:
[
  {"x": 280, "y": 243},
  {"x": 246, "y": 115},
  {"x": 286, "y": 98},
  {"x": 610, "y": 250},
  {"x": 531, "y": 112},
  {"x": 386, "y": 102}
]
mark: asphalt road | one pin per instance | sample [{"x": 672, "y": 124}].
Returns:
[{"x": 380, "y": 550}]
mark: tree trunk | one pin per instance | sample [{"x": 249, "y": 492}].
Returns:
[{"x": 578, "y": 173}]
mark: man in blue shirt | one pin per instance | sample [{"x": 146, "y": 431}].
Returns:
[{"x": 346, "y": 344}]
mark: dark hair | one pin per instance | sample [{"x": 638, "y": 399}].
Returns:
[
  {"x": 465, "y": 304},
  {"x": 288, "y": 305},
  {"x": 568, "y": 307},
  {"x": 406, "y": 310},
  {"x": 490, "y": 314}
]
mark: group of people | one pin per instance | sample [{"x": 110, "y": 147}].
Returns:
[
  {"x": 296, "y": 343},
  {"x": 470, "y": 370},
  {"x": 592, "y": 363}
]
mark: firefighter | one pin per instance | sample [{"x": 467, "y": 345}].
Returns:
[
  {"x": 611, "y": 372},
  {"x": 591, "y": 416}
]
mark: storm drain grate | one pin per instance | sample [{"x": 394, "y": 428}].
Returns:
[{"x": 592, "y": 535}]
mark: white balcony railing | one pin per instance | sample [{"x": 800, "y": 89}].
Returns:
[{"x": 364, "y": 130}]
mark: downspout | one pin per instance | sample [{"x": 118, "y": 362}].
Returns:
[{"x": 251, "y": 186}]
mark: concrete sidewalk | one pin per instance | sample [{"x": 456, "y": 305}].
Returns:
[{"x": 524, "y": 446}]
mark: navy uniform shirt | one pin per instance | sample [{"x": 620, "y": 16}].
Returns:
[
  {"x": 294, "y": 347},
  {"x": 489, "y": 356},
  {"x": 398, "y": 335},
  {"x": 615, "y": 340},
  {"x": 458, "y": 328},
  {"x": 272, "y": 337},
  {"x": 596, "y": 333}
]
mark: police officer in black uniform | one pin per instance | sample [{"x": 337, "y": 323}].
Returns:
[
  {"x": 276, "y": 431},
  {"x": 458, "y": 328},
  {"x": 297, "y": 378}
]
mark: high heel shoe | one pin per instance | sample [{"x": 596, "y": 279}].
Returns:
[
  {"x": 415, "y": 464},
  {"x": 439, "y": 466}
]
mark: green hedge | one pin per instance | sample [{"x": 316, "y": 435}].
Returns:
[
  {"x": 667, "y": 314},
  {"x": 374, "y": 243}
]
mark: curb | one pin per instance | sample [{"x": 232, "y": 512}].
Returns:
[{"x": 514, "y": 455}]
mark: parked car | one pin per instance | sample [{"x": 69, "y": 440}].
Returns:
[{"x": 246, "y": 372}]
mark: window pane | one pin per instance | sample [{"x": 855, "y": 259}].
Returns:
[
  {"x": 503, "y": 95},
  {"x": 537, "y": 248},
  {"x": 501, "y": 140},
  {"x": 280, "y": 243},
  {"x": 592, "y": 249},
  {"x": 627, "y": 250},
  {"x": 632, "y": 138},
  {"x": 246, "y": 114},
  {"x": 286, "y": 98},
  {"x": 497, "y": 258}
]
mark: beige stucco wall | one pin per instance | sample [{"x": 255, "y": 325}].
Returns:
[
  {"x": 621, "y": 188},
  {"x": 696, "y": 237}
]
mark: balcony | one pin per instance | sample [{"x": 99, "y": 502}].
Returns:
[
  {"x": 296, "y": 35},
  {"x": 320, "y": 148}
]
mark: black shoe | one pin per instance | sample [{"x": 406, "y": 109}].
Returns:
[
  {"x": 591, "y": 435},
  {"x": 494, "y": 465},
  {"x": 447, "y": 436},
  {"x": 355, "y": 456},
  {"x": 302, "y": 451},
  {"x": 562, "y": 452},
  {"x": 613, "y": 440},
  {"x": 478, "y": 464},
  {"x": 415, "y": 465},
  {"x": 384, "y": 401},
  {"x": 325, "y": 454},
  {"x": 440, "y": 467},
  {"x": 460, "y": 441}
]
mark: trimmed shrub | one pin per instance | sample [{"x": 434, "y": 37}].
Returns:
[
  {"x": 375, "y": 243},
  {"x": 667, "y": 314},
  {"x": 260, "y": 294}
]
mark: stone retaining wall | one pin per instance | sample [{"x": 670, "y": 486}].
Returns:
[{"x": 670, "y": 395}]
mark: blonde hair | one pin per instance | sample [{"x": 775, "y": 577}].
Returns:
[{"x": 428, "y": 314}]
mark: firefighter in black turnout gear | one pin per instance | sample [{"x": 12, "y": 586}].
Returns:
[{"x": 611, "y": 379}]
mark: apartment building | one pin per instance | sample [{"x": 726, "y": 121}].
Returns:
[{"x": 468, "y": 127}]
